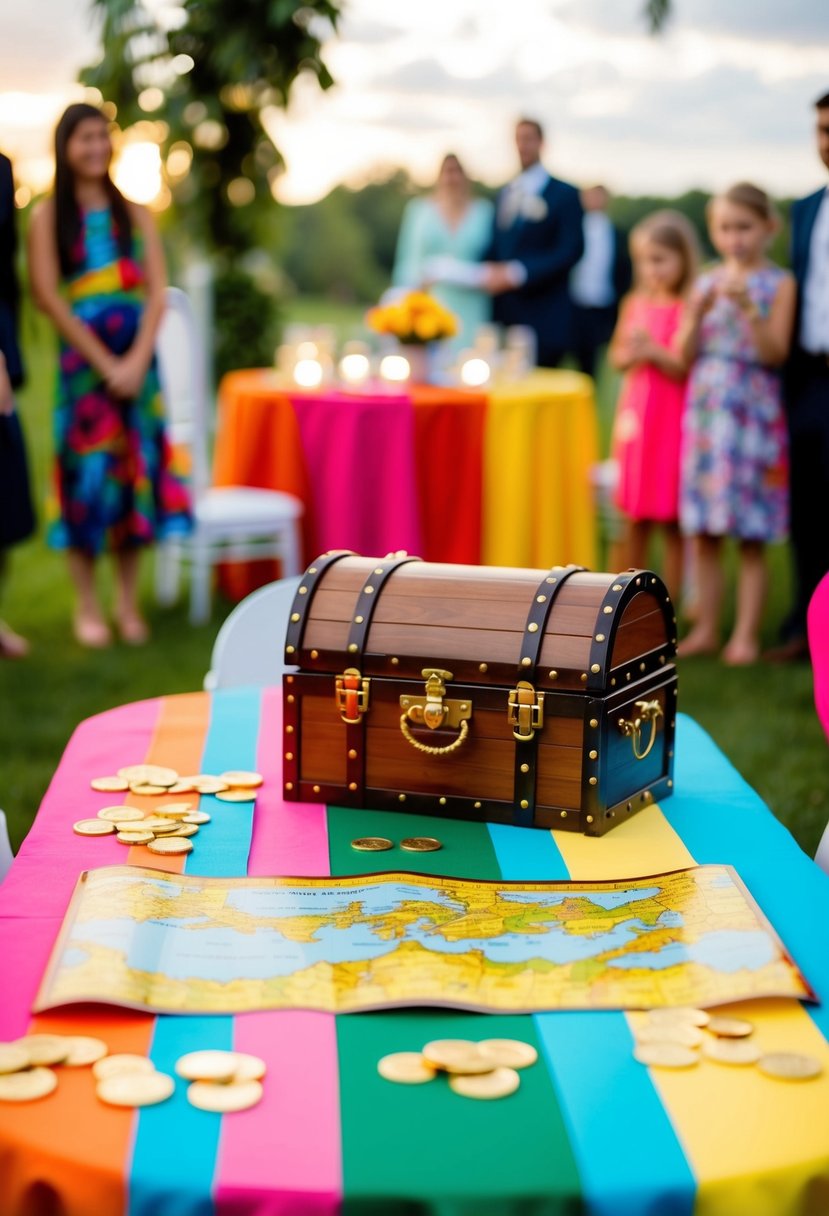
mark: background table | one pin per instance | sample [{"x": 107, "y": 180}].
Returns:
[
  {"x": 501, "y": 477},
  {"x": 589, "y": 1130}
]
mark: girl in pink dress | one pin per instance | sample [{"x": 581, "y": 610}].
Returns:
[{"x": 646, "y": 433}]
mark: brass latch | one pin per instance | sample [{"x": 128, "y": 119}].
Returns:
[
  {"x": 649, "y": 711},
  {"x": 433, "y": 711},
  {"x": 526, "y": 711},
  {"x": 351, "y": 691}
]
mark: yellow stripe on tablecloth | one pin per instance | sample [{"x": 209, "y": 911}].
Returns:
[{"x": 737, "y": 1127}]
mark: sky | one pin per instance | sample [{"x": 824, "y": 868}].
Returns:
[{"x": 725, "y": 93}]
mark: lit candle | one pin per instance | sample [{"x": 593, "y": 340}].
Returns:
[
  {"x": 354, "y": 369},
  {"x": 308, "y": 373},
  {"x": 475, "y": 372},
  {"x": 395, "y": 369}
]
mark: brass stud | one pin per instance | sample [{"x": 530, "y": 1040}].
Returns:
[
  {"x": 627, "y": 675},
  {"x": 303, "y": 591},
  {"x": 290, "y": 649},
  {"x": 394, "y": 661},
  {"x": 290, "y": 698},
  {"x": 667, "y": 599},
  {"x": 670, "y": 751},
  {"x": 289, "y": 679},
  {"x": 613, "y": 682},
  {"x": 368, "y": 590},
  {"x": 608, "y": 608},
  {"x": 358, "y": 620},
  {"x": 352, "y": 753},
  {"x": 589, "y": 819},
  {"x": 670, "y": 784},
  {"x": 352, "y": 785},
  {"x": 289, "y": 755},
  {"x": 639, "y": 582},
  {"x": 526, "y": 661},
  {"x": 353, "y": 648},
  {"x": 315, "y": 789},
  {"x": 295, "y": 616},
  {"x": 583, "y": 677},
  {"x": 594, "y": 755},
  {"x": 525, "y": 768},
  {"x": 379, "y": 570},
  {"x": 608, "y": 814},
  {"x": 673, "y": 722},
  {"x": 553, "y": 675},
  {"x": 596, "y": 668},
  {"x": 289, "y": 785},
  {"x": 653, "y": 582},
  {"x": 442, "y": 801},
  {"x": 524, "y": 804},
  {"x": 616, "y": 587},
  {"x": 642, "y": 666},
  {"x": 477, "y": 806},
  {"x": 599, "y": 637},
  {"x": 315, "y": 654},
  {"x": 464, "y": 705},
  {"x": 629, "y": 806},
  {"x": 593, "y": 781},
  {"x": 563, "y": 814},
  {"x": 312, "y": 570},
  {"x": 483, "y": 668},
  {"x": 648, "y": 796},
  {"x": 289, "y": 730},
  {"x": 594, "y": 722},
  {"x": 550, "y": 580},
  {"x": 401, "y": 797},
  {"x": 532, "y": 627},
  {"x": 673, "y": 641},
  {"x": 404, "y": 701},
  {"x": 662, "y": 658},
  {"x": 541, "y": 599}
]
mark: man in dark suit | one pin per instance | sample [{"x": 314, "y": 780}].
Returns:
[
  {"x": 598, "y": 281},
  {"x": 536, "y": 240},
  {"x": 807, "y": 392}
]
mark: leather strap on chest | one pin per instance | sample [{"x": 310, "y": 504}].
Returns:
[{"x": 302, "y": 601}]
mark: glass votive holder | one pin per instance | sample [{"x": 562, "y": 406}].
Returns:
[
  {"x": 395, "y": 370},
  {"x": 487, "y": 339},
  {"x": 308, "y": 373}
]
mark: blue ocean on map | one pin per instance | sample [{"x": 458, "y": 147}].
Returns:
[{"x": 182, "y": 949}]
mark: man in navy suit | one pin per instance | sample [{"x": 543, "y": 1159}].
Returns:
[
  {"x": 536, "y": 240},
  {"x": 598, "y": 281},
  {"x": 808, "y": 400}
]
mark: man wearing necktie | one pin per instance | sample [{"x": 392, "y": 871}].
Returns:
[
  {"x": 536, "y": 240},
  {"x": 808, "y": 401}
]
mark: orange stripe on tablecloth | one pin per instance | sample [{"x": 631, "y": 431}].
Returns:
[{"x": 89, "y": 1144}]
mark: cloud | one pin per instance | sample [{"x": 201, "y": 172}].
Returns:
[
  {"x": 802, "y": 22},
  {"x": 428, "y": 77}
]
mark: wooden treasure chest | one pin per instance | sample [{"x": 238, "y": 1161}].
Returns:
[{"x": 544, "y": 698}]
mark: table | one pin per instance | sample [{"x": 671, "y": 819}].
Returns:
[
  {"x": 501, "y": 477},
  {"x": 589, "y": 1130}
]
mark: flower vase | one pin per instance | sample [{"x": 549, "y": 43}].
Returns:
[{"x": 417, "y": 354}]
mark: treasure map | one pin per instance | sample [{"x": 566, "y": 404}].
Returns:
[{"x": 174, "y": 943}]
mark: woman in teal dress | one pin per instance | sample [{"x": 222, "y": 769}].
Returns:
[
  {"x": 442, "y": 238},
  {"x": 97, "y": 271}
]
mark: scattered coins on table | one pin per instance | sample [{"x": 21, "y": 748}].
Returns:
[
  {"x": 670, "y": 1039},
  {"x": 371, "y": 844},
  {"x": 483, "y": 1070},
  {"x": 27, "y": 1065},
  {"x": 222, "y": 1081},
  {"x": 420, "y": 844},
  {"x": 412, "y": 844}
]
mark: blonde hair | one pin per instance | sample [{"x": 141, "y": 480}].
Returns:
[
  {"x": 672, "y": 230},
  {"x": 746, "y": 194}
]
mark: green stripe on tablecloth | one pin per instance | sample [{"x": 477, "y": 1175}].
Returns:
[{"x": 421, "y": 1148}]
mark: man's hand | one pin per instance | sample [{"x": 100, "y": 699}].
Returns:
[
  {"x": 498, "y": 278},
  {"x": 6, "y": 393}
]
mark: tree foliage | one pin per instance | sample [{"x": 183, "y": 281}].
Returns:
[{"x": 211, "y": 71}]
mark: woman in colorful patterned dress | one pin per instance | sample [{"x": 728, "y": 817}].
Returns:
[
  {"x": 97, "y": 270},
  {"x": 734, "y": 449}
]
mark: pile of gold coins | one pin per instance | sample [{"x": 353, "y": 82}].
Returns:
[
  {"x": 168, "y": 828},
  {"x": 220, "y": 1081},
  {"x": 680, "y": 1038},
  {"x": 411, "y": 844},
  {"x": 484, "y": 1070}
]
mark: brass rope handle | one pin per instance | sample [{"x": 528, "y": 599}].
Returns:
[
  {"x": 424, "y": 747},
  {"x": 649, "y": 711}
]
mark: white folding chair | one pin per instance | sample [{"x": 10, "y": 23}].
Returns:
[
  {"x": 6, "y": 855},
  {"x": 249, "y": 646},
  {"x": 822, "y": 854},
  {"x": 230, "y": 523}
]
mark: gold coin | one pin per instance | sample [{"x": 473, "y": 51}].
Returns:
[
  {"x": 159, "y": 823},
  {"x": 206, "y": 1066},
  {"x": 457, "y": 1056},
  {"x": 184, "y": 785},
  {"x": 109, "y": 785},
  {"x": 27, "y": 1086},
  {"x": 204, "y": 783},
  {"x": 508, "y": 1053},
  {"x": 196, "y": 817},
  {"x": 789, "y": 1066},
  {"x": 93, "y": 827},
  {"x": 665, "y": 1055},
  {"x": 371, "y": 844},
  {"x": 680, "y": 1013},
  {"x": 45, "y": 1049},
  {"x": 730, "y": 1028},
  {"x": 145, "y": 790},
  {"x": 496, "y": 1084},
  {"x": 83, "y": 1050},
  {"x": 224, "y": 1098},
  {"x": 236, "y": 795},
  {"x": 170, "y": 845},
  {"x": 406, "y": 1067},
  {"x": 420, "y": 844},
  {"x": 248, "y": 1067},
  {"x": 186, "y": 829},
  {"x": 123, "y": 1061},
  {"x": 135, "y": 1088},
  {"x": 120, "y": 814},
  {"x": 149, "y": 774},
  {"x": 134, "y": 838},
  {"x": 13, "y": 1057},
  {"x": 680, "y": 1033},
  {"x": 174, "y": 810},
  {"x": 731, "y": 1051},
  {"x": 238, "y": 780}
]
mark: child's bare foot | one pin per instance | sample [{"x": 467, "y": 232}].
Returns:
[
  {"x": 12, "y": 645},
  {"x": 132, "y": 628},
  {"x": 740, "y": 654},
  {"x": 91, "y": 631},
  {"x": 697, "y": 642}
]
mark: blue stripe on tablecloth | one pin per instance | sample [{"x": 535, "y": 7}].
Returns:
[
  {"x": 735, "y": 826},
  {"x": 590, "y": 1060},
  {"x": 175, "y": 1141}
]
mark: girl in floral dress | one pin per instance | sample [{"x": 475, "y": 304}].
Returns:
[
  {"x": 97, "y": 270},
  {"x": 734, "y": 449}
]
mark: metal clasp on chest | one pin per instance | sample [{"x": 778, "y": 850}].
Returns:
[
  {"x": 526, "y": 711},
  {"x": 432, "y": 710},
  {"x": 351, "y": 691}
]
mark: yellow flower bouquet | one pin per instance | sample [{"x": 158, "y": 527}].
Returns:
[{"x": 414, "y": 319}]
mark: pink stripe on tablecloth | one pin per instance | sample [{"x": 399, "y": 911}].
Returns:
[
  {"x": 36, "y": 891},
  {"x": 294, "y": 1133},
  {"x": 360, "y": 458}
]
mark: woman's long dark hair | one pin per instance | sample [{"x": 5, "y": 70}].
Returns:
[{"x": 67, "y": 211}]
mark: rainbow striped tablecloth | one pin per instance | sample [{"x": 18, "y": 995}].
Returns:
[{"x": 589, "y": 1130}]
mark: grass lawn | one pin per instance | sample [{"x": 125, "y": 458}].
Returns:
[{"x": 762, "y": 717}]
